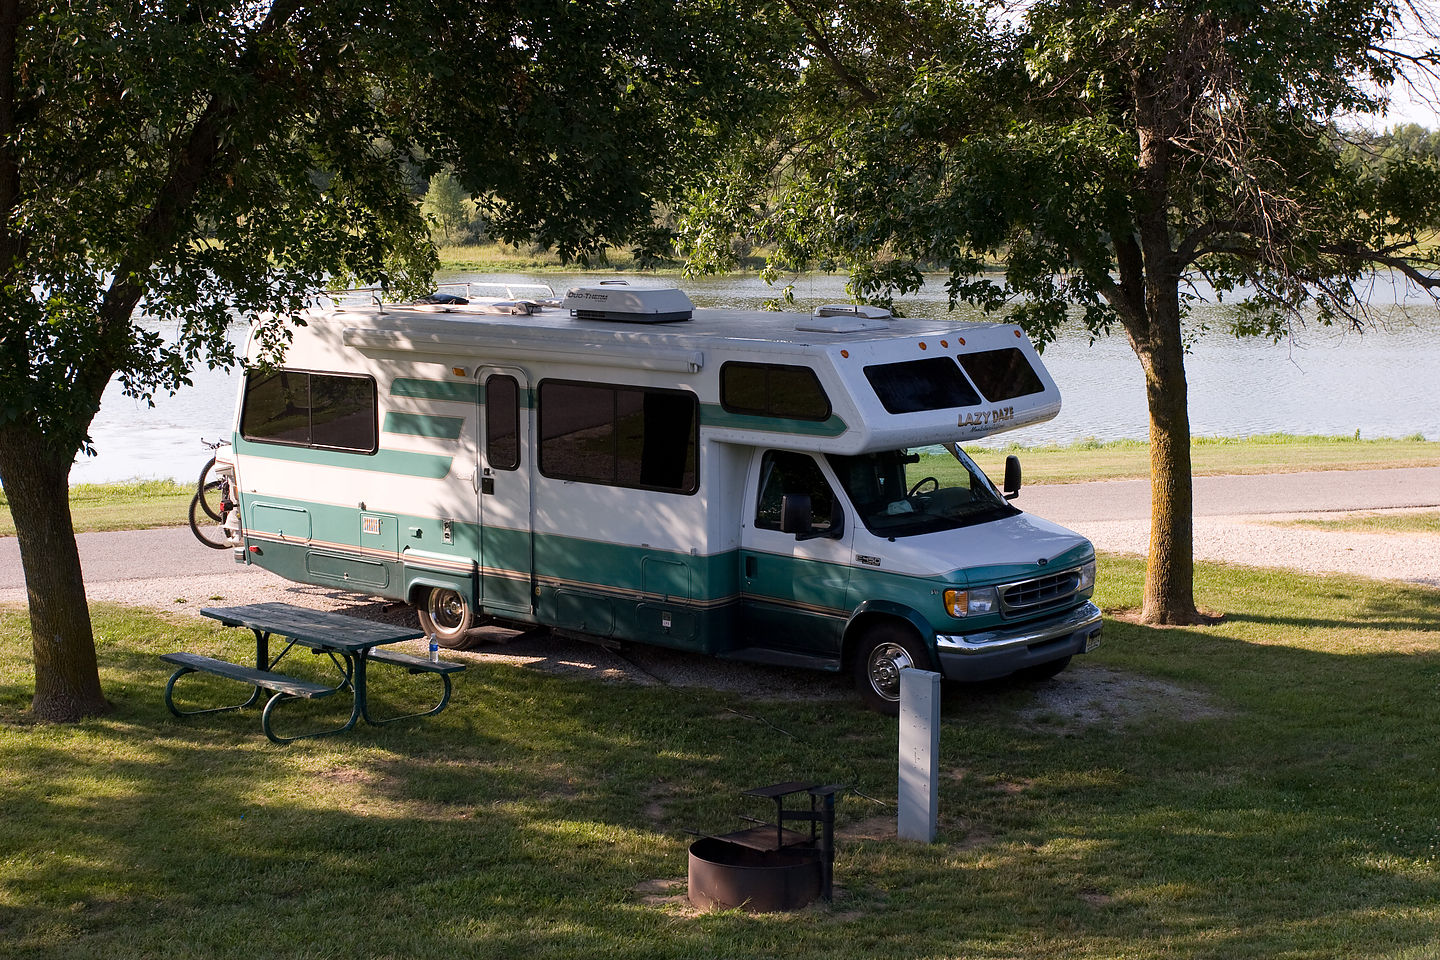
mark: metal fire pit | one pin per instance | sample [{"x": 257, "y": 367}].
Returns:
[
  {"x": 768, "y": 868},
  {"x": 727, "y": 874}
]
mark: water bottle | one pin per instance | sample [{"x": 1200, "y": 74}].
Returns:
[{"x": 434, "y": 649}]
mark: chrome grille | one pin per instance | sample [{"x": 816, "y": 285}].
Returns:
[{"x": 1027, "y": 596}]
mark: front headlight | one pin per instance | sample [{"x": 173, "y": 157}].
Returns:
[
  {"x": 1087, "y": 576},
  {"x": 974, "y": 602}
]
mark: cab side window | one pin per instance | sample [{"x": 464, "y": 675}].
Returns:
[{"x": 783, "y": 472}]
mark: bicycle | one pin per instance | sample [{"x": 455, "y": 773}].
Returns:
[{"x": 216, "y": 500}]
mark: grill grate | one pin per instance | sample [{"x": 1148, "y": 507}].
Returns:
[{"x": 1030, "y": 595}]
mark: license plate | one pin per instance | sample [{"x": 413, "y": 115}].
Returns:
[{"x": 1092, "y": 641}]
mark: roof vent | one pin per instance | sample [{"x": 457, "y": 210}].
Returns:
[
  {"x": 628, "y": 304},
  {"x": 864, "y": 311}
]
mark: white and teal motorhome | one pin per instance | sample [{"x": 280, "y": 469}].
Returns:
[{"x": 773, "y": 487}]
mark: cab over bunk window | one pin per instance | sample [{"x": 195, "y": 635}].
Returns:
[
  {"x": 1002, "y": 374},
  {"x": 619, "y": 435},
  {"x": 773, "y": 390},
  {"x": 934, "y": 383},
  {"x": 305, "y": 409}
]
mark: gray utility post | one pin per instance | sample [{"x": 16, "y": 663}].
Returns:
[{"x": 919, "y": 754}]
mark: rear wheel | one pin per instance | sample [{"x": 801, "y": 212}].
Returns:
[
  {"x": 448, "y": 615},
  {"x": 886, "y": 650},
  {"x": 209, "y": 491},
  {"x": 211, "y": 534},
  {"x": 212, "y": 500}
]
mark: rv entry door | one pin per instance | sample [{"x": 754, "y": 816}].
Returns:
[{"x": 506, "y": 465}]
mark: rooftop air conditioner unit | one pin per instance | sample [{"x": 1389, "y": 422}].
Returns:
[{"x": 628, "y": 304}]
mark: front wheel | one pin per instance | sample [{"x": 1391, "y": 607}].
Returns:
[
  {"x": 885, "y": 651},
  {"x": 448, "y": 615}
]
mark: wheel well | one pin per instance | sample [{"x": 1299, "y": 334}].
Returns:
[
  {"x": 420, "y": 589},
  {"x": 863, "y": 623}
]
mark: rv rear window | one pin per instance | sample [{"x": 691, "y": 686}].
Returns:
[
  {"x": 1002, "y": 374},
  {"x": 310, "y": 410},
  {"x": 619, "y": 435},
  {"x": 935, "y": 383},
  {"x": 773, "y": 390}
]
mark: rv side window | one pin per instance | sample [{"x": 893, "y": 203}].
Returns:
[
  {"x": 310, "y": 410},
  {"x": 1001, "y": 374},
  {"x": 773, "y": 390},
  {"x": 502, "y": 422},
  {"x": 619, "y": 435},
  {"x": 783, "y": 472},
  {"x": 935, "y": 383}
]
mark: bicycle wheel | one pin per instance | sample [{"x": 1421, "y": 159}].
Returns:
[
  {"x": 208, "y": 491},
  {"x": 212, "y": 535},
  {"x": 212, "y": 500}
]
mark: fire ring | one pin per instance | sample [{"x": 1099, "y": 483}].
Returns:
[{"x": 729, "y": 875}]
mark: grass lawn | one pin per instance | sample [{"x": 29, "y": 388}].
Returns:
[
  {"x": 1419, "y": 521},
  {"x": 1212, "y": 456},
  {"x": 1264, "y": 787},
  {"x": 132, "y": 505}
]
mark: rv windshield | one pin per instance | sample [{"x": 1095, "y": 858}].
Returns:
[{"x": 902, "y": 493}]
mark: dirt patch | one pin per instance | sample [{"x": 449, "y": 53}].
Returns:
[
  {"x": 878, "y": 827},
  {"x": 666, "y": 893},
  {"x": 1091, "y": 695}
]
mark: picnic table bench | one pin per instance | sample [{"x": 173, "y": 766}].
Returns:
[{"x": 350, "y": 643}]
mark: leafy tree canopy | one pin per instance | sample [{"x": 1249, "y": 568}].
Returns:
[
  {"x": 1105, "y": 153},
  {"x": 199, "y": 162},
  {"x": 952, "y": 133}
]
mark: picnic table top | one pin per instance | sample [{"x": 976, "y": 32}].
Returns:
[{"x": 312, "y": 628}]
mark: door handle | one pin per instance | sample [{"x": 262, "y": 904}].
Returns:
[{"x": 750, "y": 567}]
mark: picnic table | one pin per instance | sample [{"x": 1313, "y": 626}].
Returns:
[{"x": 351, "y": 644}]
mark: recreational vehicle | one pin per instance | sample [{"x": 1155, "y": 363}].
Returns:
[{"x": 773, "y": 487}]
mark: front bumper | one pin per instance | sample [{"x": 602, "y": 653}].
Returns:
[{"x": 997, "y": 653}]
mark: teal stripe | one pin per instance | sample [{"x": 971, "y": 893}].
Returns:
[
  {"x": 424, "y": 425},
  {"x": 457, "y": 391},
  {"x": 399, "y": 462},
  {"x": 713, "y": 415}
]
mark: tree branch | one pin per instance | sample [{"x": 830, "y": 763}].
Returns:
[{"x": 822, "y": 44}]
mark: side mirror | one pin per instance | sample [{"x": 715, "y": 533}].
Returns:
[
  {"x": 795, "y": 510},
  {"x": 795, "y": 514},
  {"x": 1012, "y": 477}
]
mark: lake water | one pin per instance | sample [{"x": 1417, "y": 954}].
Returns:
[{"x": 1384, "y": 383}]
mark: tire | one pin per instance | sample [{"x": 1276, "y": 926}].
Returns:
[
  {"x": 203, "y": 485},
  {"x": 447, "y": 614},
  {"x": 213, "y": 493},
  {"x": 1042, "y": 671},
  {"x": 884, "y": 651},
  {"x": 210, "y": 534}
]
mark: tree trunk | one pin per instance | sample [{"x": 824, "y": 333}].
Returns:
[
  {"x": 1170, "y": 569},
  {"x": 36, "y": 479}
]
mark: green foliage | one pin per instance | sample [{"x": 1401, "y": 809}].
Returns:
[
  {"x": 167, "y": 170},
  {"x": 1099, "y": 150},
  {"x": 450, "y": 211},
  {"x": 229, "y": 164}
]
